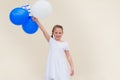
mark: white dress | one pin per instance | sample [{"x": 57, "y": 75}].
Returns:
[{"x": 56, "y": 68}]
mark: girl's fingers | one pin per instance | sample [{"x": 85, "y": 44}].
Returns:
[{"x": 72, "y": 72}]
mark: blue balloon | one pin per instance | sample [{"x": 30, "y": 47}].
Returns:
[
  {"x": 19, "y": 16},
  {"x": 30, "y": 26}
]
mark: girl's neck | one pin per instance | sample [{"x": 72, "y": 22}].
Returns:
[{"x": 59, "y": 40}]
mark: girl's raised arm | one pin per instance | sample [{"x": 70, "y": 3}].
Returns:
[{"x": 47, "y": 36}]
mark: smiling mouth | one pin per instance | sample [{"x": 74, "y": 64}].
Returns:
[{"x": 57, "y": 36}]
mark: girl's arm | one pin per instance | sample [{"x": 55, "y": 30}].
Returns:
[
  {"x": 69, "y": 58},
  {"x": 47, "y": 36}
]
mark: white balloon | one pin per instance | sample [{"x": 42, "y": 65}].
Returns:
[{"x": 41, "y": 9}]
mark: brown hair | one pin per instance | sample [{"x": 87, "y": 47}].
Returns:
[{"x": 56, "y": 26}]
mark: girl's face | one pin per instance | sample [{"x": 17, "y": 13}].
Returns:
[{"x": 58, "y": 33}]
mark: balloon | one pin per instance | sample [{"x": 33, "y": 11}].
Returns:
[
  {"x": 41, "y": 9},
  {"x": 18, "y": 16},
  {"x": 30, "y": 26}
]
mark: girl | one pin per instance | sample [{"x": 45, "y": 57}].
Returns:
[{"x": 56, "y": 68}]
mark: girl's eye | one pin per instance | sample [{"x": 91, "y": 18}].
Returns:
[{"x": 60, "y": 33}]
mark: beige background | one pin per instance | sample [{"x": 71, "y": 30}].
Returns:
[{"x": 91, "y": 27}]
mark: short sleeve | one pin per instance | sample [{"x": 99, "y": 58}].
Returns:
[
  {"x": 51, "y": 41},
  {"x": 66, "y": 47}
]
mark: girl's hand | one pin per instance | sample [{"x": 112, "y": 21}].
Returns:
[
  {"x": 35, "y": 19},
  {"x": 72, "y": 72}
]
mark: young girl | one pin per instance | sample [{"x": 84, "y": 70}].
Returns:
[{"x": 57, "y": 68}]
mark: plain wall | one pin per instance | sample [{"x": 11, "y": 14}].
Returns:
[{"x": 91, "y": 27}]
